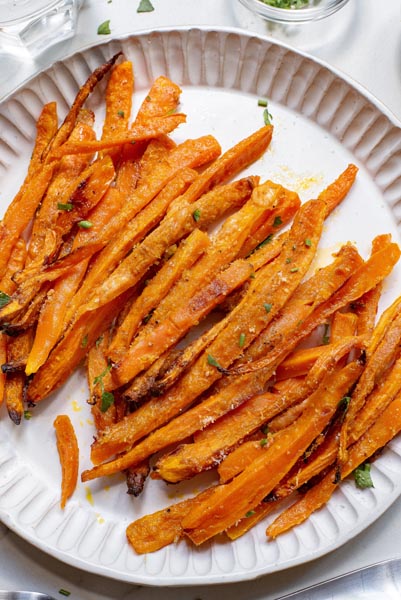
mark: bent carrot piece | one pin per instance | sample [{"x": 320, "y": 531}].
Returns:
[
  {"x": 380, "y": 433},
  {"x": 137, "y": 133},
  {"x": 232, "y": 501},
  {"x": 155, "y": 531},
  {"x": 67, "y": 446},
  {"x": 185, "y": 256},
  {"x": 335, "y": 193},
  {"x": 84, "y": 91}
]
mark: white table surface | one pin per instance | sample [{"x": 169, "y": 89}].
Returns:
[{"x": 364, "y": 41}]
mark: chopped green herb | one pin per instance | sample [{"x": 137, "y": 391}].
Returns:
[
  {"x": 344, "y": 403},
  {"x": 99, "y": 378},
  {"x": 267, "y": 117},
  {"x": 65, "y": 206},
  {"x": 288, "y": 260},
  {"x": 363, "y": 477},
  {"x": 64, "y": 592},
  {"x": 265, "y": 242},
  {"x": 214, "y": 363},
  {"x": 241, "y": 340},
  {"x": 107, "y": 400},
  {"x": 294, "y": 270},
  {"x": 262, "y": 102},
  {"x": 121, "y": 113},
  {"x": 308, "y": 242},
  {"x": 326, "y": 337},
  {"x": 196, "y": 214},
  {"x": 104, "y": 28},
  {"x": 277, "y": 221},
  {"x": 267, "y": 307},
  {"x": 145, "y": 6},
  {"x": 147, "y": 317},
  {"x": 252, "y": 276},
  {"x": 263, "y": 442},
  {"x": 249, "y": 513},
  {"x": 4, "y": 299},
  {"x": 27, "y": 415},
  {"x": 84, "y": 341},
  {"x": 99, "y": 341},
  {"x": 85, "y": 224}
]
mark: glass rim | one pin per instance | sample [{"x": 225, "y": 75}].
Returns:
[
  {"x": 294, "y": 15},
  {"x": 25, "y": 12}
]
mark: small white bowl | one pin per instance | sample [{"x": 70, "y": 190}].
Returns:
[{"x": 312, "y": 11}]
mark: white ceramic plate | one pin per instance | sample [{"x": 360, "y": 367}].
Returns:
[{"x": 322, "y": 122}]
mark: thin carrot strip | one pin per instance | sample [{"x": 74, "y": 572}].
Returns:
[
  {"x": 67, "y": 446},
  {"x": 187, "y": 253}
]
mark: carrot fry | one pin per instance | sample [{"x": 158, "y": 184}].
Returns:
[
  {"x": 335, "y": 193},
  {"x": 152, "y": 532},
  {"x": 14, "y": 386},
  {"x": 137, "y": 133},
  {"x": 163, "y": 98},
  {"x": 118, "y": 99},
  {"x": 185, "y": 256},
  {"x": 232, "y": 501},
  {"x": 67, "y": 446},
  {"x": 97, "y": 365}
]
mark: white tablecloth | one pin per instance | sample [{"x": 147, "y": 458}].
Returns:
[{"x": 364, "y": 41}]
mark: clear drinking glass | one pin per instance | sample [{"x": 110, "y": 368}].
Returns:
[{"x": 31, "y": 26}]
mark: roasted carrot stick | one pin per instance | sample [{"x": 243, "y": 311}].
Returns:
[
  {"x": 67, "y": 446},
  {"x": 187, "y": 253}
]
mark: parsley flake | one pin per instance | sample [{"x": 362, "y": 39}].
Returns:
[
  {"x": 107, "y": 399},
  {"x": 267, "y": 117},
  {"x": 294, "y": 270},
  {"x": 249, "y": 513},
  {"x": 27, "y": 415},
  {"x": 214, "y": 363},
  {"x": 85, "y": 224},
  {"x": 196, "y": 215},
  {"x": 277, "y": 221},
  {"x": 263, "y": 442},
  {"x": 64, "y": 592},
  {"x": 265, "y": 241},
  {"x": 262, "y": 102},
  {"x": 104, "y": 28},
  {"x": 267, "y": 307},
  {"x": 308, "y": 242},
  {"x": 67, "y": 206},
  {"x": 121, "y": 114},
  {"x": 4, "y": 299},
  {"x": 326, "y": 337},
  {"x": 145, "y": 6},
  {"x": 84, "y": 341},
  {"x": 241, "y": 340},
  {"x": 363, "y": 477}
]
